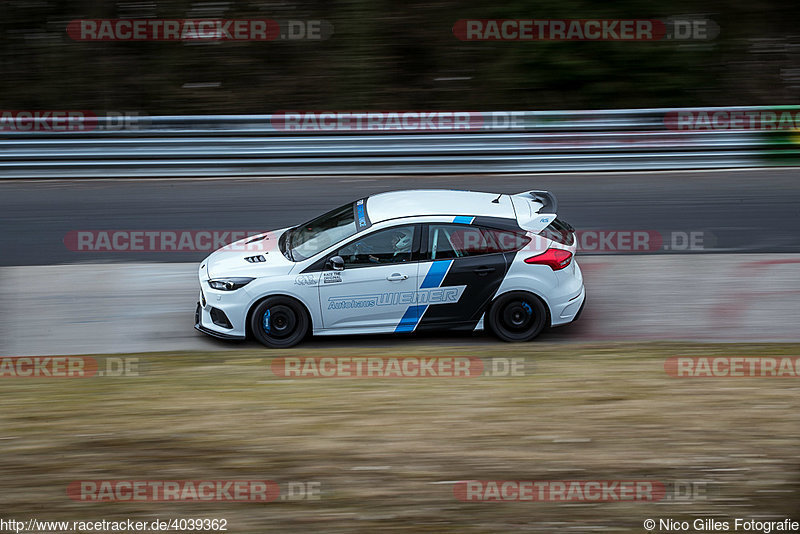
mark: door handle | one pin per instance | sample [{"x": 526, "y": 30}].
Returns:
[
  {"x": 483, "y": 271},
  {"x": 396, "y": 277}
]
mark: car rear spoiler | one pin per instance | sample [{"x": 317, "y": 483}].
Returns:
[
  {"x": 548, "y": 200},
  {"x": 535, "y": 209}
]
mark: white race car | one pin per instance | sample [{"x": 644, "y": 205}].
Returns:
[{"x": 401, "y": 261}]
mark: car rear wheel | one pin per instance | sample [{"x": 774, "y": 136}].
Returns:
[
  {"x": 517, "y": 316},
  {"x": 279, "y": 322}
]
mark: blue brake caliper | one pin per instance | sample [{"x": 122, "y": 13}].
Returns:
[
  {"x": 527, "y": 308},
  {"x": 266, "y": 322}
]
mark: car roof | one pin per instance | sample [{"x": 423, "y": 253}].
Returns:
[{"x": 422, "y": 202}]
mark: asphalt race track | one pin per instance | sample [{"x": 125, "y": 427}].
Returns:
[
  {"x": 734, "y": 211},
  {"x": 146, "y": 307},
  {"x": 740, "y": 282}
]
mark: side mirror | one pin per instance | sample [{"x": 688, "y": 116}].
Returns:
[{"x": 336, "y": 263}]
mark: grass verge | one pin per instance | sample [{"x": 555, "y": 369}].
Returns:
[{"x": 385, "y": 450}]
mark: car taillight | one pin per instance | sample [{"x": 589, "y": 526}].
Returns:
[{"x": 555, "y": 258}]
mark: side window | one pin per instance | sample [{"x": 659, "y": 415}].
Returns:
[
  {"x": 392, "y": 245},
  {"x": 506, "y": 240},
  {"x": 448, "y": 241}
]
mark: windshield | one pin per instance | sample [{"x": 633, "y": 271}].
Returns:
[{"x": 315, "y": 236}]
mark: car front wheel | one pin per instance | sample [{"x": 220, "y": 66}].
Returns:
[
  {"x": 279, "y": 322},
  {"x": 517, "y": 316}
]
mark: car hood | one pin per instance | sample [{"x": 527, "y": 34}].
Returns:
[{"x": 253, "y": 256}]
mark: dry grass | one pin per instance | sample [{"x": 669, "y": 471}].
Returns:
[{"x": 378, "y": 447}]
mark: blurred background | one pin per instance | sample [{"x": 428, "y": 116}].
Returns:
[{"x": 389, "y": 55}]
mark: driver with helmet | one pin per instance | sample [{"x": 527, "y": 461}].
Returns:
[{"x": 400, "y": 244}]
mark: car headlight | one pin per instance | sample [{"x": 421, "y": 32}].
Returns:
[{"x": 229, "y": 284}]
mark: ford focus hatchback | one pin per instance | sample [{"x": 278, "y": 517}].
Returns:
[{"x": 399, "y": 262}]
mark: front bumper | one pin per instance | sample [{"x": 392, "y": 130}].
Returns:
[
  {"x": 198, "y": 325},
  {"x": 221, "y": 314}
]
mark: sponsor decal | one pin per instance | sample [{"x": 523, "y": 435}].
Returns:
[
  {"x": 428, "y": 296},
  {"x": 306, "y": 280},
  {"x": 431, "y": 285},
  {"x": 331, "y": 277},
  {"x": 362, "y": 217}
]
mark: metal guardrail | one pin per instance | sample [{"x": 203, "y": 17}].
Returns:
[{"x": 253, "y": 145}]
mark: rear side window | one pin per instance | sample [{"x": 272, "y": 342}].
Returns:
[
  {"x": 559, "y": 231},
  {"x": 449, "y": 241},
  {"x": 505, "y": 240}
]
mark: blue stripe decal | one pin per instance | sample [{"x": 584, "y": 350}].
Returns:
[
  {"x": 410, "y": 319},
  {"x": 362, "y": 221},
  {"x": 462, "y": 219},
  {"x": 414, "y": 314},
  {"x": 436, "y": 274}
]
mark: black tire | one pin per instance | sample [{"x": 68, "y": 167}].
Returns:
[
  {"x": 517, "y": 316},
  {"x": 279, "y": 322}
]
